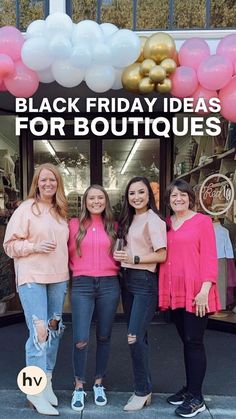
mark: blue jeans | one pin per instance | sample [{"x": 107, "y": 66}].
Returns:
[
  {"x": 88, "y": 294},
  {"x": 43, "y": 305},
  {"x": 139, "y": 297}
]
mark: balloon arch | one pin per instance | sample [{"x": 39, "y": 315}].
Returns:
[{"x": 106, "y": 57}]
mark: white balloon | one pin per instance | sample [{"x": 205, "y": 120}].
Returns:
[
  {"x": 59, "y": 22},
  {"x": 60, "y": 47},
  {"x": 101, "y": 53},
  {"x": 35, "y": 54},
  {"x": 35, "y": 29},
  {"x": 100, "y": 78},
  {"x": 125, "y": 47},
  {"x": 46, "y": 76},
  {"x": 66, "y": 74},
  {"x": 108, "y": 29},
  {"x": 81, "y": 56},
  {"x": 87, "y": 30},
  {"x": 118, "y": 83}
]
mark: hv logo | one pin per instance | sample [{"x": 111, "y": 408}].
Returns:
[{"x": 32, "y": 380}]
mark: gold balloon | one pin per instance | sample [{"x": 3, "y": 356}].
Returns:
[
  {"x": 169, "y": 65},
  {"x": 165, "y": 86},
  {"x": 146, "y": 66},
  {"x": 146, "y": 85},
  {"x": 157, "y": 74},
  {"x": 159, "y": 46},
  {"x": 131, "y": 77},
  {"x": 141, "y": 57}
]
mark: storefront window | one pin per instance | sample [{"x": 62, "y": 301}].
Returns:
[
  {"x": 125, "y": 159},
  {"x": 73, "y": 159},
  {"x": 196, "y": 158},
  {"x": 152, "y": 15},
  {"x": 21, "y": 13},
  {"x": 189, "y": 14},
  {"x": 84, "y": 9},
  {"x": 119, "y": 12},
  {"x": 223, "y": 14},
  {"x": 10, "y": 196}
]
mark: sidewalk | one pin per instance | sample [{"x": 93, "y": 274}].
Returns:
[{"x": 14, "y": 406}]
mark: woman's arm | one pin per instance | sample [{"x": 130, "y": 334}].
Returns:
[
  {"x": 201, "y": 299},
  {"x": 158, "y": 256}
]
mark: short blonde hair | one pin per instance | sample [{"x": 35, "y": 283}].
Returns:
[{"x": 59, "y": 199}]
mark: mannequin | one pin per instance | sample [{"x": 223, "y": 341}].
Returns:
[
  {"x": 9, "y": 169},
  {"x": 224, "y": 253}
]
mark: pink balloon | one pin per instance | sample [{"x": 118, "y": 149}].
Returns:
[
  {"x": 11, "y": 41},
  {"x": 193, "y": 52},
  {"x": 3, "y": 87},
  {"x": 227, "y": 47},
  {"x": 23, "y": 82},
  {"x": 204, "y": 94},
  {"x": 184, "y": 82},
  {"x": 235, "y": 67},
  {"x": 6, "y": 65},
  {"x": 227, "y": 97},
  {"x": 215, "y": 72}
]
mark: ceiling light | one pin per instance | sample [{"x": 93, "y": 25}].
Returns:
[{"x": 131, "y": 155}]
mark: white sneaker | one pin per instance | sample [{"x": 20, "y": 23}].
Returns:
[
  {"x": 100, "y": 398},
  {"x": 77, "y": 402}
]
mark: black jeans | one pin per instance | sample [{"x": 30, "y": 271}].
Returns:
[
  {"x": 88, "y": 294},
  {"x": 139, "y": 297},
  {"x": 191, "y": 331}
]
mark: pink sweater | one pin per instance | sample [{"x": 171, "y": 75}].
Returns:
[
  {"x": 23, "y": 231},
  {"x": 95, "y": 259},
  {"x": 191, "y": 260}
]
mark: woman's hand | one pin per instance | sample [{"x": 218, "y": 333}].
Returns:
[
  {"x": 122, "y": 256},
  {"x": 44, "y": 247},
  {"x": 201, "y": 299}
]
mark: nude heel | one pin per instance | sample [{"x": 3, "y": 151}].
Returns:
[{"x": 138, "y": 402}]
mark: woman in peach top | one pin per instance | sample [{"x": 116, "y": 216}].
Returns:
[
  {"x": 144, "y": 235},
  {"x": 36, "y": 238}
]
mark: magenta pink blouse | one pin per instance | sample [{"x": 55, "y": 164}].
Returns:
[{"x": 191, "y": 260}]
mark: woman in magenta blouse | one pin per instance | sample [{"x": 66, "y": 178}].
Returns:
[
  {"x": 187, "y": 285},
  {"x": 95, "y": 287}
]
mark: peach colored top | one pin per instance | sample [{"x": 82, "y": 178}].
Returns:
[
  {"x": 23, "y": 231},
  {"x": 146, "y": 234}
]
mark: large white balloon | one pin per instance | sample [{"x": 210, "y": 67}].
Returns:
[
  {"x": 35, "y": 54},
  {"x": 108, "y": 29},
  {"x": 125, "y": 47},
  {"x": 118, "y": 75},
  {"x": 100, "y": 78},
  {"x": 60, "y": 47},
  {"x": 81, "y": 55},
  {"x": 66, "y": 74},
  {"x": 35, "y": 29},
  {"x": 46, "y": 76},
  {"x": 59, "y": 22},
  {"x": 88, "y": 31},
  {"x": 101, "y": 53}
]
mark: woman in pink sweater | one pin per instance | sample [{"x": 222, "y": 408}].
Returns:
[
  {"x": 36, "y": 238},
  {"x": 187, "y": 285},
  {"x": 95, "y": 287}
]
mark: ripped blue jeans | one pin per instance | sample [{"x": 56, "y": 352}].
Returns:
[{"x": 43, "y": 305}]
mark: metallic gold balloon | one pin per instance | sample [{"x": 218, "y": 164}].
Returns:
[
  {"x": 165, "y": 86},
  {"x": 146, "y": 85},
  {"x": 146, "y": 66},
  {"x": 157, "y": 74},
  {"x": 159, "y": 46},
  {"x": 141, "y": 57},
  {"x": 169, "y": 65},
  {"x": 131, "y": 77}
]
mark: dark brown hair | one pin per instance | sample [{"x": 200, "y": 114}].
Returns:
[{"x": 183, "y": 186}]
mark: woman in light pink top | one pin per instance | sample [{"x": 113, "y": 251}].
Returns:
[
  {"x": 187, "y": 285},
  {"x": 36, "y": 238},
  {"x": 144, "y": 234}
]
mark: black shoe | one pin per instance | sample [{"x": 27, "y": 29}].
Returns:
[
  {"x": 179, "y": 397},
  {"x": 191, "y": 407}
]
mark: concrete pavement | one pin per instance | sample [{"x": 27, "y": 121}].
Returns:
[{"x": 14, "y": 406}]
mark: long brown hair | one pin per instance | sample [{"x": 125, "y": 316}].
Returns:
[
  {"x": 85, "y": 219},
  {"x": 59, "y": 200}
]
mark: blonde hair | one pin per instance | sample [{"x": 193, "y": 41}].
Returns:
[
  {"x": 85, "y": 219},
  {"x": 59, "y": 199}
]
